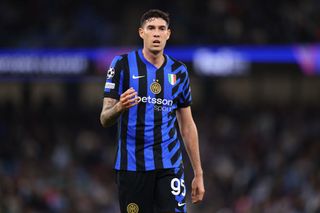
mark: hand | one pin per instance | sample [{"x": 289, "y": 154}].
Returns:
[
  {"x": 197, "y": 189},
  {"x": 127, "y": 100}
]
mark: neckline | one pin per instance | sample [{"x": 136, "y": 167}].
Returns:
[{"x": 150, "y": 64}]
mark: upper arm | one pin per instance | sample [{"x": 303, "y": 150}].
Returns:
[
  {"x": 113, "y": 84},
  {"x": 184, "y": 117},
  {"x": 185, "y": 98}
]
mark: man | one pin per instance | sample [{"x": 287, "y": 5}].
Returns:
[{"x": 148, "y": 92}]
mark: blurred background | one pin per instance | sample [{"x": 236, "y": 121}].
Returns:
[{"x": 255, "y": 76}]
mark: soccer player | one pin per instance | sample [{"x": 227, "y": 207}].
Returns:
[{"x": 148, "y": 93}]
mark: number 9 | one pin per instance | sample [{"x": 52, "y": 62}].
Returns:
[{"x": 176, "y": 185}]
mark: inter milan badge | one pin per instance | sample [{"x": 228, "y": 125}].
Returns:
[
  {"x": 132, "y": 208},
  {"x": 172, "y": 78},
  {"x": 155, "y": 87},
  {"x": 110, "y": 72}
]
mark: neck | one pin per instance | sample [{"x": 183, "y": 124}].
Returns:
[{"x": 155, "y": 58}]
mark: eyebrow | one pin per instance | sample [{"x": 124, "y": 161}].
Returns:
[
  {"x": 151, "y": 19},
  {"x": 152, "y": 25}
]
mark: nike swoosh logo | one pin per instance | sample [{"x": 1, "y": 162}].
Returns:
[
  {"x": 138, "y": 76},
  {"x": 181, "y": 204}
]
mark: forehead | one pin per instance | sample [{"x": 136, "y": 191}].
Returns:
[{"x": 155, "y": 22}]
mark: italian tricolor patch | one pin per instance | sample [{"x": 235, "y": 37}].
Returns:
[{"x": 172, "y": 79}]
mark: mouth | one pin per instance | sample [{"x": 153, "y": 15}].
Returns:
[{"x": 156, "y": 42}]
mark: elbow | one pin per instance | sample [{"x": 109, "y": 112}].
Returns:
[{"x": 103, "y": 122}]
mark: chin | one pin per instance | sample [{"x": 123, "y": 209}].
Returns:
[{"x": 156, "y": 49}]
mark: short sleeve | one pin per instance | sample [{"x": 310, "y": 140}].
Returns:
[
  {"x": 113, "y": 84},
  {"x": 185, "y": 98}
]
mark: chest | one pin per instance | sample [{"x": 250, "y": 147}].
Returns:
[{"x": 154, "y": 84}]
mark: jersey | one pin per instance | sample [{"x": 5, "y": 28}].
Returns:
[{"x": 147, "y": 132}]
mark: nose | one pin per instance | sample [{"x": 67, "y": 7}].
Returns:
[{"x": 156, "y": 33}]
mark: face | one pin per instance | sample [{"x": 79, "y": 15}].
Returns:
[{"x": 155, "y": 34}]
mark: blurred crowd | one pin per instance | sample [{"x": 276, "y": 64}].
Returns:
[
  {"x": 55, "y": 160},
  {"x": 79, "y": 23},
  {"x": 261, "y": 159},
  {"x": 58, "y": 158},
  {"x": 256, "y": 159}
]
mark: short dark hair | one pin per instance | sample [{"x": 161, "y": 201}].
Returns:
[{"x": 154, "y": 13}]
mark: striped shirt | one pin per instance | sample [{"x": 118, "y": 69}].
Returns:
[{"x": 148, "y": 133}]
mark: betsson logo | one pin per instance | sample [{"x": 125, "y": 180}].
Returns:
[{"x": 162, "y": 104}]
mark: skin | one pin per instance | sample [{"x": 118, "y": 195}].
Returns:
[
  {"x": 113, "y": 108},
  {"x": 156, "y": 29},
  {"x": 189, "y": 134}
]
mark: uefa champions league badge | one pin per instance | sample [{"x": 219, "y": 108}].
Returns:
[{"x": 110, "y": 72}]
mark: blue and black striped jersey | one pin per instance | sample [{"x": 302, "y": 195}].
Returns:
[{"x": 147, "y": 133}]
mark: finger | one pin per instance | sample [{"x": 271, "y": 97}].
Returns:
[
  {"x": 130, "y": 96},
  {"x": 195, "y": 200},
  {"x": 124, "y": 96},
  {"x": 193, "y": 192},
  {"x": 131, "y": 102},
  {"x": 133, "y": 99},
  {"x": 128, "y": 91},
  {"x": 131, "y": 89},
  {"x": 127, "y": 97},
  {"x": 193, "y": 195},
  {"x": 135, "y": 102},
  {"x": 199, "y": 196}
]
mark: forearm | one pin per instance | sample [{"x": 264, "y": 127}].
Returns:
[
  {"x": 110, "y": 115},
  {"x": 190, "y": 138},
  {"x": 113, "y": 108}
]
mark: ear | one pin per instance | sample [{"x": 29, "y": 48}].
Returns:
[
  {"x": 168, "y": 34},
  {"x": 141, "y": 32}
]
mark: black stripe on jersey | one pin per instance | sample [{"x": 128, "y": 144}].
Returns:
[
  {"x": 172, "y": 131},
  {"x": 182, "y": 77},
  {"x": 141, "y": 114},
  {"x": 157, "y": 132},
  {"x": 171, "y": 115},
  {"x": 175, "y": 65},
  {"x": 116, "y": 78},
  {"x": 172, "y": 145},
  {"x": 188, "y": 97},
  {"x": 124, "y": 121},
  {"x": 175, "y": 157}
]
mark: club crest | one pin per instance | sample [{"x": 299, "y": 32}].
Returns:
[{"x": 155, "y": 87}]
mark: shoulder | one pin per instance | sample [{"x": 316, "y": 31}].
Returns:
[
  {"x": 117, "y": 60},
  {"x": 123, "y": 58},
  {"x": 176, "y": 64}
]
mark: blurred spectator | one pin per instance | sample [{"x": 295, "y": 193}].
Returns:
[
  {"x": 66, "y": 23},
  {"x": 255, "y": 159}
]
